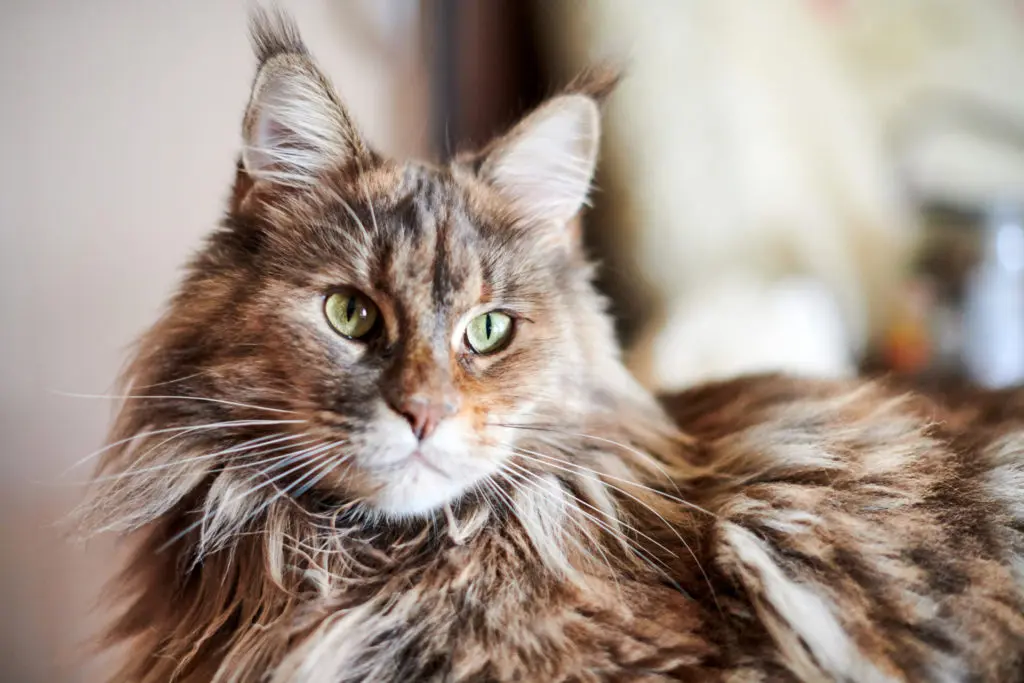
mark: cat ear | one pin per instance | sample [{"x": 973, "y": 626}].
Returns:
[
  {"x": 545, "y": 165},
  {"x": 295, "y": 126}
]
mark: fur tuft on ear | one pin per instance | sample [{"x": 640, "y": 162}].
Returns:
[
  {"x": 598, "y": 82},
  {"x": 295, "y": 126},
  {"x": 272, "y": 33}
]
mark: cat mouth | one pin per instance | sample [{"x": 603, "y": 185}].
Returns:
[
  {"x": 420, "y": 458},
  {"x": 417, "y": 458}
]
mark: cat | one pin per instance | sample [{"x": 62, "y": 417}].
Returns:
[{"x": 383, "y": 432}]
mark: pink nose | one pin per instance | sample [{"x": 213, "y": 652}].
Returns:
[{"x": 424, "y": 415}]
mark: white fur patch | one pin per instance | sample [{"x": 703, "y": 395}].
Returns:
[
  {"x": 809, "y": 617},
  {"x": 450, "y": 463},
  {"x": 543, "y": 511}
]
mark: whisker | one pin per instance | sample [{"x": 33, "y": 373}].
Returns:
[
  {"x": 635, "y": 451},
  {"x": 627, "y": 544},
  {"x": 509, "y": 501},
  {"x": 324, "y": 469},
  {"x": 305, "y": 453},
  {"x": 171, "y": 381},
  {"x": 597, "y": 477},
  {"x": 522, "y": 489},
  {"x": 247, "y": 465},
  {"x": 351, "y": 212},
  {"x": 306, "y": 487},
  {"x": 595, "y": 544},
  {"x": 280, "y": 493},
  {"x": 638, "y": 485},
  {"x": 327, "y": 462},
  {"x": 237, "y": 499},
  {"x": 185, "y": 429},
  {"x": 612, "y": 520},
  {"x": 125, "y": 397},
  {"x": 492, "y": 487},
  {"x": 241, "y": 449},
  {"x": 373, "y": 215},
  {"x": 366, "y": 195}
]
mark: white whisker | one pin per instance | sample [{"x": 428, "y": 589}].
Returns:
[
  {"x": 241, "y": 449},
  {"x": 185, "y": 429},
  {"x": 245, "y": 494},
  {"x": 595, "y": 544},
  {"x": 337, "y": 461},
  {"x": 611, "y": 519},
  {"x": 125, "y": 397},
  {"x": 627, "y": 544},
  {"x": 647, "y": 457},
  {"x": 597, "y": 477},
  {"x": 324, "y": 467},
  {"x": 351, "y": 212},
  {"x": 366, "y": 195},
  {"x": 305, "y": 453},
  {"x": 569, "y": 463},
  {"x": 248, "y": 465}
]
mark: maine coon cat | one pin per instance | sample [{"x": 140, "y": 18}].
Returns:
[{"x": 383, "y": 433}]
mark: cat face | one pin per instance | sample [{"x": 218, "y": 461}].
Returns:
[
  {"x": 409, "y": 325},
  {"x": 410, "y": 320}
]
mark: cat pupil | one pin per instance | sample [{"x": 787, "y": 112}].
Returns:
[
  {"x": 350, "y": 308},
  {"x": 487, "y": 326}
]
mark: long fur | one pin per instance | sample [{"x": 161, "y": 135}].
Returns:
[{"x": 766, "y": 529}]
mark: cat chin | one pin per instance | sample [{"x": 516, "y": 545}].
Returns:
[
  {"x": 416, "y": 491},
  {"x": 401, "y": 478}
]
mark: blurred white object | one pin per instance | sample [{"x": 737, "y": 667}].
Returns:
[
  {"x": 779, "y": 140},
  {"x": 748, "y": 158},
  {"x": 994, "y": 305},
  {"x": 742, "y": 324},
  {"x": 944, "y": 79}
]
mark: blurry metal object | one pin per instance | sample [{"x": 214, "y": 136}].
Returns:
[
  {"x": 994, "y": 302},
  {"x": 972, "y": 267}
]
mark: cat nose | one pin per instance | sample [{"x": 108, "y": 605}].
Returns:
[{"x": 424, "y": 414}]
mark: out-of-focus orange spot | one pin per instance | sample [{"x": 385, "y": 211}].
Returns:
[{"x": 907, "y": 347}]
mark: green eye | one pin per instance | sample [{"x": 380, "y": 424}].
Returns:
[
  {"x": 350, "y": 313},
  {"x": 489, "y": 332}
]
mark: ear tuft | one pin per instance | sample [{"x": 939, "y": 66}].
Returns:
[
  {"x": 272, "y": 32},
  {"x": 597, "y": 82},
  {"x": 295, "y": 126},
  {"x": 545, "y": 165}
]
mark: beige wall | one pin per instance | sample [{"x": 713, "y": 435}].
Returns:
[{"x": 119, "y": 131}]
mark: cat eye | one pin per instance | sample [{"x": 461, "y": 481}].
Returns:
[
  {"x": 489, "y": 333},
  {"x": 350, "y": 313}
]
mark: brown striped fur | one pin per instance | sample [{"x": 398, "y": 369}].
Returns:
[{"x": 763, "y": 529}]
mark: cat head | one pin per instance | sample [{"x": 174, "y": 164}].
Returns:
[{"x": 382, "y": 334}]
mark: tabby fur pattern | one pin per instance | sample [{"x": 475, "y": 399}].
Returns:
[{"x": 761, "y": 529}]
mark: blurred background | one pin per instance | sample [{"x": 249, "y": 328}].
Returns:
[{"x": 823, "y": 187}]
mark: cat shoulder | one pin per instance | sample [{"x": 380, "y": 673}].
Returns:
[{"x": 872, "y": 528}]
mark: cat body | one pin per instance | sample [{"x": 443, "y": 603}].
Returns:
[{"x": 383, "y": 433}]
